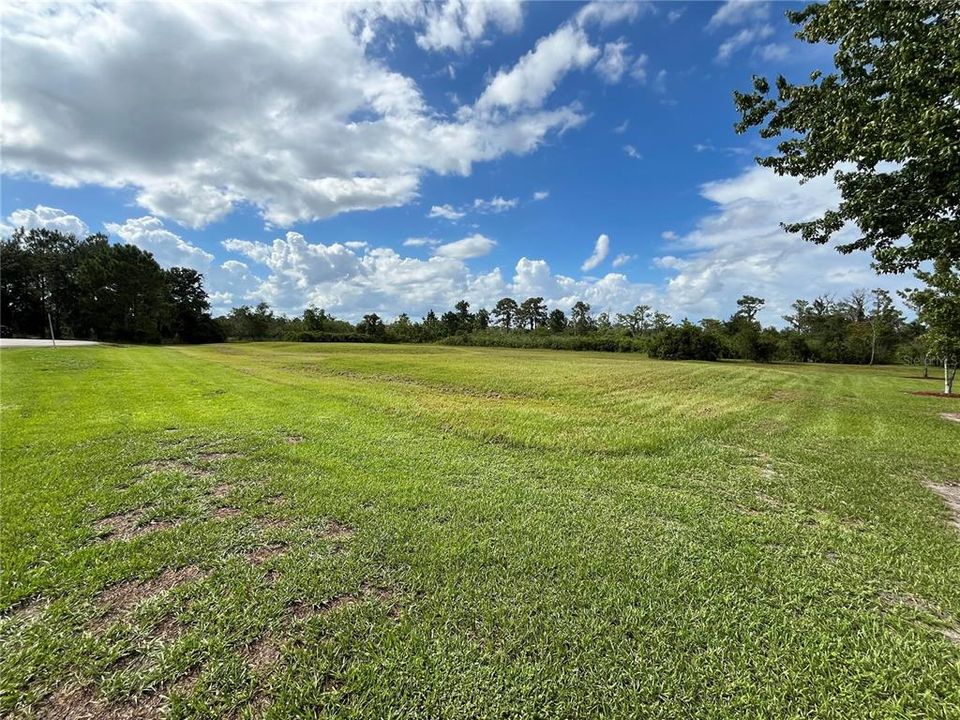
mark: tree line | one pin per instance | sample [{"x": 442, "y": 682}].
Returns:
[
  {"x": 92, "y": 289},
  {"x": 863, "y": 328}
]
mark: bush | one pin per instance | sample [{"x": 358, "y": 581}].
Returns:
[
  {"x": 318, "y": 336},
  {"x": 546, "y": 341},
  {"x": 684, "y": 342}
]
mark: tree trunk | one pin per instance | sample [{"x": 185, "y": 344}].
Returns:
[
  {"x": 926, "y": 366},
  {"x": 873, "y": 341},
  {"x": 949, "y": 373}
]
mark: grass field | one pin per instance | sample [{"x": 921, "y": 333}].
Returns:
[{"x": 297, "y": 531}]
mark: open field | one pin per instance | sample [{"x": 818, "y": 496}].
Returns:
[{"x": 391, "y": 531}]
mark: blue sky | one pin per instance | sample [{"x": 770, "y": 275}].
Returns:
[{"x": 396, "y": 157}]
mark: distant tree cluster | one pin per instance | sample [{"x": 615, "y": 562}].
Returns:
[
  {"x": 866, "y": 328},
  {"x": 92, "y": 289}
]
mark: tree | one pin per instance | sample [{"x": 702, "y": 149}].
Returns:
[
  {"x": 580, "y": 317},
  {"x": 505, "y": 311},
  {"x": 371, "y": 325},
  {"x": 557, "y": 321},
  {"x": 883, "y": 319},
  {"x": 189, "y": 317},
  {"x": 748, "y": 306},
  {"x": 938, "y": 308},
  {"x": 885, "y": 124},
  {"x": 482, "y": 319},
  {"x": 532, "y": 313}
]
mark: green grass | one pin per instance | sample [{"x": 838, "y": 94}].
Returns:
[{"x": 467, "y": 532}]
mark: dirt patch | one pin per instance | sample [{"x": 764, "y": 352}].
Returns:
[
  {"x": 27, "y": 610},
  {"x": 217, "y": 456},
  {"x": 337, "y": 531},
  {"x": 302, "y": 610},
  {"x": 951, "y": 417},
  {"x": 119, "y": 599},
  {"x": 221, "y": 491},
  {"x": 273, "y": 524},
  {"x": 951, "y": 496},
  {"x": 293, "y": 439},
  {"x": 267, "y": 552},
  {"x": 919, "y": 605},
  {"x": 129, "y": 525},
  {"x": 926, "y": 393},
  {"x": 81, "y": 703},
  {"x": 225, "y": 513},
  {"x": 261, "y": 655},
  {"x": 172, "y": 465},
  {"x": 168, "y": 630}
]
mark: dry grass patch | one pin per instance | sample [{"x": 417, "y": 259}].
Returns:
[
  {"x": 225, "y": 513},
  {"x": 950, "y": 494},
  {"x": 129, "y": 525},
  {"x": 82, "y": 703},
  {"x": 951, "y": 417},
  {"x": 337, "y": 531},
  {"x": 261, "y": 655},
  {"x": 262, "y": 554},
  {"x": 119, "y": 599}
]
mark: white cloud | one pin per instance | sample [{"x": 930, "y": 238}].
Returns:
[
  {"x": 622, "y": 127},
  {"x": 614, "y": 62},
  {"x": 740, "y": 248},
  {"x": 495, "y": 204},
  {"x": 47, "y": 218},
  {"x": 528, "y": 83},
  {"x": 773, "y": 52},
  {"x": 631, "y": 151},
  {"x": 739, "y": 41},
  {"x": 622, "y": 259},
  {"x": 473, "y": 246},
  {"x": 669, "y": 235},
  {"x": 611, "y": 293},
  {"x": 448, "y": 212},
  {"x": 639, "y": 70},
  {"x": 420, "y": 242},
  {"x": 606, "y": 12},
  {"x": 600, "y": 250},
  {"x": 301, "y": 128},
  {"x": 541, "y": 195},
  {"x": 675, "y": 15},
  {"x": 169, "y": 249},
  {"x": 457, "y": 24},
  {"x": 739, "y": 12},
  {"x": 357, "y": 244}
]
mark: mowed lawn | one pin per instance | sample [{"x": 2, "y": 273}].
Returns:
[{"x": 296, "y": 531}]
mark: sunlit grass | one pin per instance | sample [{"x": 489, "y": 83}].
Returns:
[{"x": 298, "y": 531}]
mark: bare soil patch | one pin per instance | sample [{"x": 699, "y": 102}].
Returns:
[
  {"x": 926, "y": 393},
  {"x": 293, "y": 439},
  {"x": 82, "y": 703},
  {"x": 261, "y": 655},
  {"x": 119, "y": 599},
  {"x": 225, "y": 513},
  {"x": 951, "y": 496},
  {"x": 221, "y": 491},
  {"x": 266, "y": 552},
  {"x": 337, "y": 531},
  {"x": 129, "y": 525},
  {"x": 918, "y": 604},
  {"x": 951, "y": 417}
]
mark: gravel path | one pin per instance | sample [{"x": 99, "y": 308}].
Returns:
[{"x": 32, "y": 342}]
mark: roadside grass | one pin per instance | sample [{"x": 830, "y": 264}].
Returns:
[{"x": 287, "y": 530}]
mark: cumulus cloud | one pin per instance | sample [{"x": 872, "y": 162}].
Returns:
[
  {"x": 474, "y": 246},
  {"x": 639, "y": 70},
  {"x": 739, "y": 248},
  {"x": 631, "y": 151},
  {"x": 47, "y": 218},
  {"x": 528, "y": 83},
  {"x": 301, "y": 129},
  {"x": 447, "y": 212},
  {"x": 614, "y": 62},
  {"x": 541, "y": 195},
  {"x": 622, "y": 259},
  {"x": 456, "y": 24},
  {"x": 169, "y": 249},
  {"x": 600, "y": 250}
]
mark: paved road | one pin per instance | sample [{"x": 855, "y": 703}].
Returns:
[{"x": 24, "y": 342}]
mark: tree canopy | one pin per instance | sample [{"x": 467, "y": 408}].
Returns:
[{"x": 885, "y": 122}]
